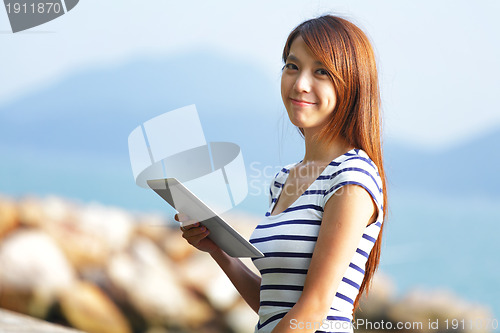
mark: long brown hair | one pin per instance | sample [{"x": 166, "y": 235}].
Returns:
[{"x": 347, "y": 54}]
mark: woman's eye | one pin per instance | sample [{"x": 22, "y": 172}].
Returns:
[
  {"x": 322, "y": 71},
  {"x": 290, "y": 66}
]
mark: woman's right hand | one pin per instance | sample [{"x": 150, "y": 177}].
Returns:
[{"x": 196, "y": 234}]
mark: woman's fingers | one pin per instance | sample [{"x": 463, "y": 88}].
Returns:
[
  {"x": 195, "y": 234},
  {"x": 190, "y": 225},
  {"x": 181, "y": 217},
  {"x": 184, "y": 220},
  {"x": 193, "y": 230}
]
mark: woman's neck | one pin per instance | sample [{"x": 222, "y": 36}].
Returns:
[{"x": 324, "y": 152}]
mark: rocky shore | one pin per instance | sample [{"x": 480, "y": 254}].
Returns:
[{"x": 103, "y": 269}]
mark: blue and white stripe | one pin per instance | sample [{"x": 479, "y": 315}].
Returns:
[{"x": 288, "y": 240}]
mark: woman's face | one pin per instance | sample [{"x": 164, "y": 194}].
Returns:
[{"x": 306, "y": 89}]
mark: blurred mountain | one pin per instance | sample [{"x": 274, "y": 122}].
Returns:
[
  {"x": 91, "y": 113},
  {"x": 468, "y": 169},
  {"x": 95, "y": 110}
]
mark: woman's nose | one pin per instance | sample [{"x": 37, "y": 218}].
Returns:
[{"x": 303, "y": 83}]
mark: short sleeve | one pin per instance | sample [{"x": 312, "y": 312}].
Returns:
[
  {"x": 275, "y": 186},
  {"x": 271, "y": 190},
  {"x": 277, "y": 182},
  {"x": 361, "y": 171}
]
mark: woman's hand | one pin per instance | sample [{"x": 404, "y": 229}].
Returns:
[{"x": 196, "y": 234}]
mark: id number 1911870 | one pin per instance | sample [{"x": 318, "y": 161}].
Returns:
[
  {"x": 464, "y": 324},
  {"x": 39, "y": 8}
]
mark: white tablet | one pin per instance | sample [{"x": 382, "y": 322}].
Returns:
[{"x": 187, "y": 203}]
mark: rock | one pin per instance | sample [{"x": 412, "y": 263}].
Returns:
[
  {"x": 156, "y": 329},
  {"x": 381, "y": 295},
  {"x": 153, "y": 227},
  {"x": 9, "y": 216},
  {"x": 241, "y": 318},
  {"x": 29, "y": 258},
  {"x": 153, "y": 288},
  {"x": 58, "y": 210},
  {"x": 39, "y": 213},
  {"x": 113, "y": 226},
  {"x": 176, "y": 247},
  {"x": 33, "y": 270},
  {"x": 60, "y": 219},
  {"x": 91, "y": 234},
  {"x": 166, "y": 235},
  {"x": 18, "y": 300},
  {"x": 202, "y": 274},
  {"x": 11, "y": 322},
  {"x": 421, "y": 305},
  {"x": 87, "y": 308},
  {"x": 31, "y": 212}
]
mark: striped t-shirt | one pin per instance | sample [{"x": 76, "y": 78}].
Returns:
[{"x": 288, "y": 240}]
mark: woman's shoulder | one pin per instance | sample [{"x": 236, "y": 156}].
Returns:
[
  {"x": 355, "y": 159},
  {"x": 354, "y": 167}
]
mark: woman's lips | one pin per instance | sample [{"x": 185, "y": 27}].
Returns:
[{"x": 301, "y": 102}]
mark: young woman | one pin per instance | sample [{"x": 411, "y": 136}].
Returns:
[{"x": 322, "y": 233}]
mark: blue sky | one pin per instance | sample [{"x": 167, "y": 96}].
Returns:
[{"x": 438, "y": 61}]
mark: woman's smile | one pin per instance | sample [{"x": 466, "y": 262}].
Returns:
[{"x": 300, "y": 102}]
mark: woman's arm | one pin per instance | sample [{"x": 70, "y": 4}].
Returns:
[
  {"x": 345, "y": 217},
  {"x": 244, "y": 280}
]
